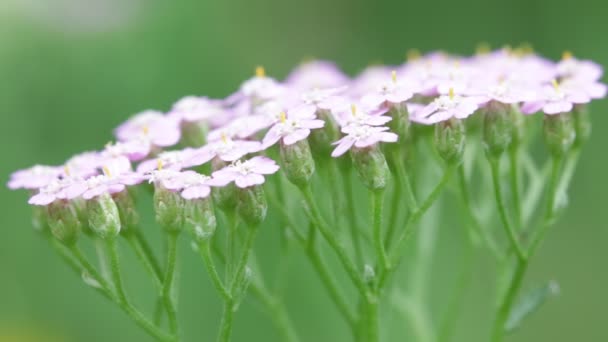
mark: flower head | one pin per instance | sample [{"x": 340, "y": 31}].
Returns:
[
  {"x": 200, "y": 109},
  {"x": 555, "y": 99},
  {"x": 35, "y": 177},
  {"x": 392, "y": 92},
  {"x": 247, "y": 173},
  {"x": 362, "y": 136},
  {"x": 360, "y": 116},
  {"x": 290, "y": 130},
  {"x": 446, "y": 107},
  {"x": 316, "y": 74},
  {"x": 152, "y": 125}
]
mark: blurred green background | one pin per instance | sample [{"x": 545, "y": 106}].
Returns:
[{"x": 71, "y": 70}]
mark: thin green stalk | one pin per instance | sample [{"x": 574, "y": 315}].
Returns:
[
  {"x": 413, "y": 218},
  {"x": 373, "y": 330},
  {"x": 325, "y": 230},
  {"x": 515, "y": 185},
  {"x": 225, "y": 334},
  {"x": 123, "y": 300},
  {"x": 504, "y": 310},
  {"x": 488, "y": 239},
  {"x": 277, "y": 312},
  {"x": 145, "y": 260},
  {"x": 148, "y": 251},
  {"x": 509, "y": 230},
  {"x": 377, "y": 204},
  {"x": 410, "y": 197},
  {"x": 394, "y": 210},
  {"x": 205, "y": 252},
  {"x": 167, "y": 288},
  {"x": 88, "y": 267},
  {"x": 327, "y": 279},
  {"x": 550, "y": 210},
  {"x": 347, "y": 178}
]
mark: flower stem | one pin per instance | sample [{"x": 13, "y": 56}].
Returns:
[
  {"x": 145, "y": 260},
  {"x": 167, "y": 288},
  {"x": 373, "y": 331},
  {"x": 123, "y": 300},
  {"x": 320, "y": 224},
  {"x": 205, "y": 252},
  {"x": 504, "y": 309},
  {"x": 277, "y": 312},
  {"x": 509, "y": 230},
  {"x": 352, "y": 217},
  {"x": 514, "y": 173},
  {"x": 377, "y": 203}
]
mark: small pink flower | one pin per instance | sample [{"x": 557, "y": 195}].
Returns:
[
  {"x": 225, "y": 149},
  {"x": 159, "y": 129},
  {"x": 134, "y": 150},
  {"x": 261, "y": 87},
  {"x": 570, "y": 67},
  {"x": 200, "y": 109},
  {"x": 117, "y": 175},
  {"x": 291, "y": 130},
  {"x": 360, "y": 116},
  {"x": 446, "y": 107},
  {"x": 391, "y": 92},
  {"x": 247, "y": 173},
  {"x": 174, "y": 160},
  {"x": 316, "y": 74},
  {"x": 58, "y": 189},
  {"x": 190, "y": 184},
  {"x": 36, "y": 177},
  {"x": 555, "y": 99},
  {"x": 362, "y": 136},
  {"x": 325, "y": 99}
]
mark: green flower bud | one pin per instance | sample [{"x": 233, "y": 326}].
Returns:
[
  {"x": 321, "y": 139},
  {"x": 194, "y": 133},
  {"x": 400, "y": 122},
  {"x": 559, "y": 133},
  {"x": 169, "y": 207},
  {"x": 252, "y": 205},
  {"x": 200, "y": 219},
  {"x": 450, "y": 139},
  {"x": 498, "y": 128},
  {"x": 224, "y": 197},
  {"x": 519, "y": 126},
  {"x": 582, "y": 124},
  {"x": 297, "y": 162},
  {"x": 64, "y": 222},
  {"x": 104, "y": 218},
  {"x": 371, "y": 166},
  {"x": 129, "y": 217}
]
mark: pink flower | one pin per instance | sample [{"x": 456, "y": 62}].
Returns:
[
  {"x": 225, "y": 149},
  {"x": 174, "y": 160},
  {"x": 152, "y": 125},
  {"x": 247, "y": 173},
  {"x": 36, "y": 177},
  {"x": 362, "y": 136},
  {"x": 190, "y": 184},
  {"x": 200, "y": 109},
  {"x": 360, "y": 116},
  {"x": 555, "y": 99},
  {"x": 135, "y": 150},
  {"x": 446, "y": 107},
  {"x": 570, "y": 67},
  {"x": 291, "y": 130},
  {"x": 391, "y": 92},
  {"x": 58, "y": 189},
  {"x": 117, "y": 175},
  {"x": 261, "y": 87},
  {"x": 325, "y": 99},
  {"x": 316, "y": 74}
]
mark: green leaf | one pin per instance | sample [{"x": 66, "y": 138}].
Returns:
[{"x": 530, "y": 303}]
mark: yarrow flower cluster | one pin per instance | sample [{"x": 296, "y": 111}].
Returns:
[{"x": 203, "y": 152}]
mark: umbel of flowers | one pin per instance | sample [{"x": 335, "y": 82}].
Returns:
[{"x": 275, "y": 147}]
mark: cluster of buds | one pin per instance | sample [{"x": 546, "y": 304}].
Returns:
[{"x": 315, "y": 107}]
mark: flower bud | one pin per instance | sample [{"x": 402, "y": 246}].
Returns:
[
  {"x": 297, "y": 162},
  {"x": 497, "y": 128},
  {"x": 559, "y": 133},
  {"x": 169, "y": 207},
  {"x": 200, "y": 219},
  {"x": 129, "y": 217},
  {"x": 252, "y": 206},
  {"x": 519, "y": 126},
  {"x": 400, "y": 122},
  {"x": 225, "y": 197},
  {"x": 371, "y": 166},
  {"x": 582, "y": 124},
  {"x": 194, "y": 133},
  {"x": 449, "y": 140},
  {"x": 104, "y": 218},
  {"x": 63, "y": 221},
  {"x": 321, "y": 139}
]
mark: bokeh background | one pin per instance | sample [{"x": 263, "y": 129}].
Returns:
[{"x": 71, "y": 70}]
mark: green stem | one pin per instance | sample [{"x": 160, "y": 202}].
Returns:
[
  {"x": 167, "y": 288},
  {"x": 352, "y": 215},
  {"x": 515, "y": 188},
  {"x": 504, "y": 310},
  {"x": 394, "y": 210},
  {"x": 148, "y": 252},
  {"x": 377, "y": 204},
  {"x": 88, "y": 267},
  {"x": 225, "y": 334},
  {"x": 488, "y": 239},
  {"x": 277, "y": 312},
  {"x": 325, "y": 230},
  {"x": 509, "y": 230},
  {"x": 145, "y": 260},
  {"x": 328, "y": 281},
  {"x": 205, "y": 252},
  {"x": 409, "y": 191},
  {"x": 373, "y": 331},
  {"x": 123, "y": 300}
]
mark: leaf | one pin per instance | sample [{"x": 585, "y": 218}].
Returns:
[{"x": 530, "y": 303}]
